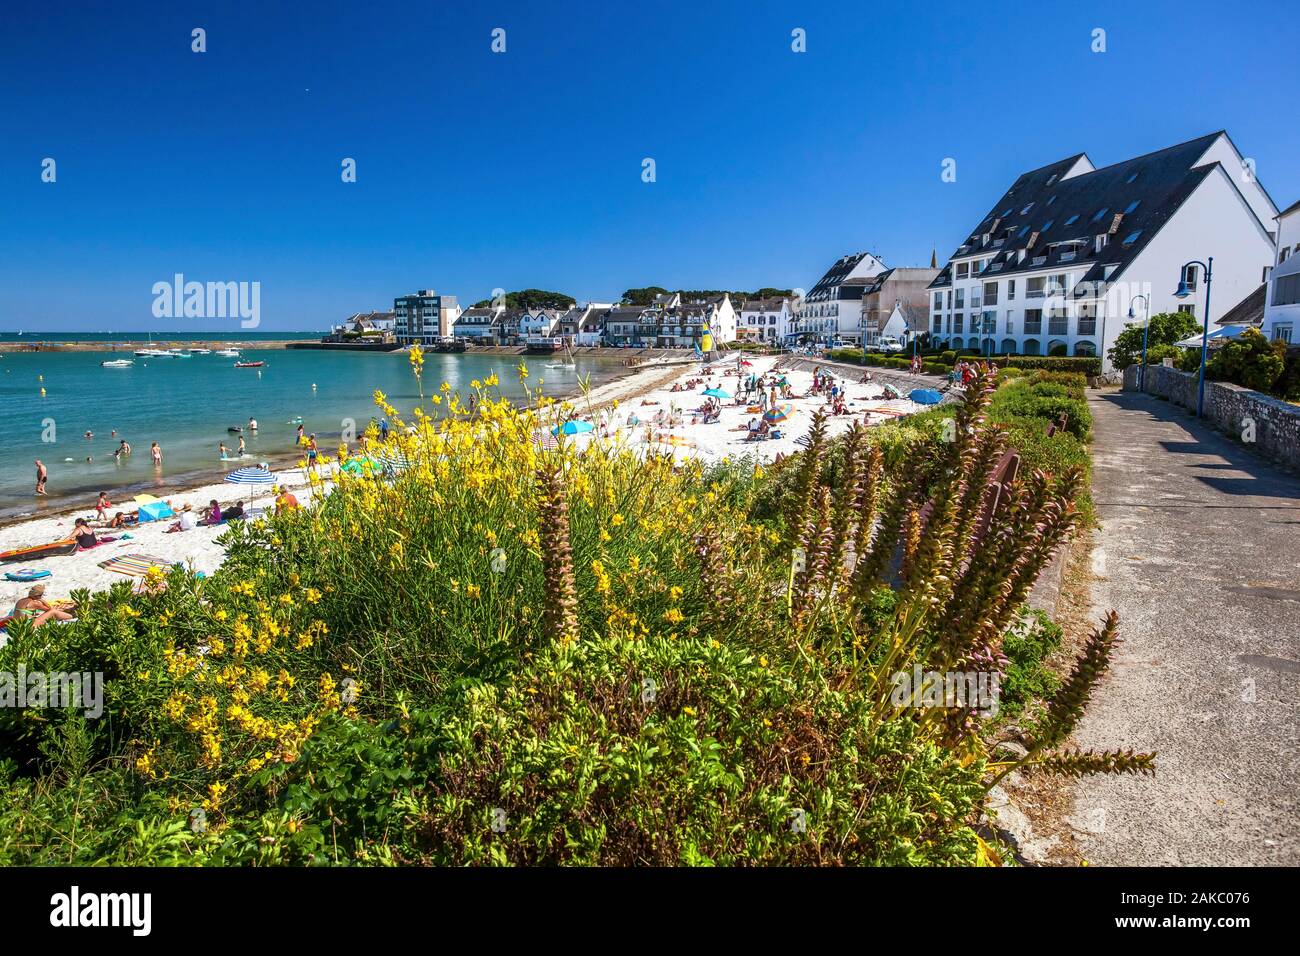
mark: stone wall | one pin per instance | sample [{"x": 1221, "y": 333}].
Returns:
[{"x": 1268, "y": 425}]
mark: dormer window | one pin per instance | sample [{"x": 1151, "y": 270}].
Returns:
[
  {"x": 1047, "y": 225},
  {"x": 1025, "y": 211},
  {"x": 1072, "y": 220},
  {"x": 1131, "y": 206},
  {"x": 1132, "y": 237},
  {"x": 1100, "y": 212}
]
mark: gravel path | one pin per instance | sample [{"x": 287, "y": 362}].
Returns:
[{"x": 1200, "y": 553}]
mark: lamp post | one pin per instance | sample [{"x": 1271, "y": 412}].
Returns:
[
  {"x": 1146, "y": 330},
  {"x": 1182, "y": 293}
]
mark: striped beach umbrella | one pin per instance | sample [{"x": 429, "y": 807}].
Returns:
[
  {"x": 779, "y": 414},
  {"x": 252, "y": 476}
]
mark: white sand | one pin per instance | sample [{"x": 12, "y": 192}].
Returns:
[{"x": 635, "y": 394}]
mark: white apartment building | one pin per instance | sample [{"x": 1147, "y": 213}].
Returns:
[
  {"x": 540, "y": 324},
  {"x": 1282, "y": 305},
  {"x": 423, "y": 317},
  {"x": 832, "y": 309},
  {"x": 1055, "y": 265},
  {"x": 764, "y": 320}
]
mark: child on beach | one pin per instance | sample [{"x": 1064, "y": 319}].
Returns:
[
  {"x": 241, "y": 446},
  {"x": 225, "y": 452},
  {"x": 102, "y": 505}
]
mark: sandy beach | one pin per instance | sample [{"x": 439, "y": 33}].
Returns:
[{"x": 623, "y": 411}]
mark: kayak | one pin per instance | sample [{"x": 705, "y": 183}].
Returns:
[{"x": 67, "y": 546}]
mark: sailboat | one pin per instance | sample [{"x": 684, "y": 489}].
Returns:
[{"x": 153, "y": 352}]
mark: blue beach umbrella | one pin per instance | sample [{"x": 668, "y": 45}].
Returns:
[
  {"x": 251, "y": 476},
  {"x": 572, "y": 427},
  {"x": 925, "y": 396},
  {"x": 716, "y": 393}
]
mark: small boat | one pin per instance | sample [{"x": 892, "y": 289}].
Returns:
[
  {"x": 200, "y": 351},
  {"x": 154, "y": 353},
  {"x": 249, "y": 364},
  {"x": 117, "y": 363},
  {"x": 66, "y": 546},
  {"x": 178, "y": 353},
  {"x": 236, "y": 429},
  {"x": 229, "y": 353}
]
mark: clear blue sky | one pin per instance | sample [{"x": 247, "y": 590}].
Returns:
[{"x": 478, "y": 170}]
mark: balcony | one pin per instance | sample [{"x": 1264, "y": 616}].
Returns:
[
  {"x": 1058, "y": 326},
  {"x": 1087, "y": 325},
  {"x": 1033, "y": 326}
]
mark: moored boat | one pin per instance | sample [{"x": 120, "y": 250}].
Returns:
[
  {"x": 229, "y": 353},
  {"x": 117, "y": 363},
  {"x": 249, "y": 364}
]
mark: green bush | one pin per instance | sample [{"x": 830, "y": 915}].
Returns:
[
  {"x": 1166, "y": 328},
  {"x": 948, "y": 357},
  {"x": 1250, "y": 360}
]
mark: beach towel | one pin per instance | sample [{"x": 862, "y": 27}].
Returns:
[{"x": 134, "y": 565}]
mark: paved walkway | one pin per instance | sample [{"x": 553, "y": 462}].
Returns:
[{"x": 1200, "y": 553}]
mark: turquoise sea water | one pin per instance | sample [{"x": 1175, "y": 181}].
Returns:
[{"x": 187, "y": 404}]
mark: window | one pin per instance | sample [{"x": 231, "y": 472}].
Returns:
[
  {"x": 1025, "y": 211},
  {"x": 1099, "y": 243},
  {"x": 1100, "y": 212},
  {"x": 1189, "y": 309},
  {"x": 963, "y": 270},
  {"x": 1011, "y": 323},
  {"x": 1132, "y": 237},
  {"x": 1031, "y": 347},
  {"x": 958, "y": 343},
  {"x": 938, "y": 324},
  {"x": 961, "y": 299},
  {"x": 1011, "y": 289},
  {"x": 950, "y": 298},
  {"x": 1047, "y": 225},
  {"x": 990, "y": 293},
  {"x": 1189, "y": 276},
  {"x": 1286, "y": 290},
  {"x": 1034, "y": 287},
  {"x": 1005, "y": 213},
  {"x": 1072, "y": 220},
  {"x": 1033, "y": 322},
  {"x": 1131, "y": 206},
  {"x": 957, "y": 321},
  {"x": 1283, "y": 253},
  {"x": 1282, "y": 333}
]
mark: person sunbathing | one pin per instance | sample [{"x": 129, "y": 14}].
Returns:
[
  {"x": 85, "y": 535},
  {"x": 212, "y": 515},
  {"x": 185, "y": 521},
  {"x": 120, "y": 521},
  {"x": 35, "y": 608}
]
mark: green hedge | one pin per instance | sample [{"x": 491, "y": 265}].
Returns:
[{"x": 1088, "y": 365}]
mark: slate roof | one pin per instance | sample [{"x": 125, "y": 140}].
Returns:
[
  {"x": 834, "y": 279},
  {"x": 1249, "y": 311},
  {"x": 1041, "y": 211}
]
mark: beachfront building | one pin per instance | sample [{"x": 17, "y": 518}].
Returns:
[
  {"x": 424, "y": 317},
  {"x": 1281, "y": 319},
  {"x": 895, "y": 305},
  {"x": 764, "y": 320},
  {"x": 1054, "y": 267},
  {"x": 671, "y": 322},
  {"x": 509, "y": 325},
  {"x": 583, "y": 325},
  {"x": 479, "y": 325},
  {"x": 363, "y": 326},
  {"x": 539, "y": 325},
  {"x": 831, "y": 312}
]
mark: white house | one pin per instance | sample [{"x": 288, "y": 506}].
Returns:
[
  {"x": 832, "y": 309},
  {"x": 1057, "y": 263},
  {"x": 895, "y": 302},
  {"x": 671, "y": 322},
  {"x": 479, "y": 325},
  {"x": 539, "y": 324},
  {"x": 764, "y": 320},
  {"x": 1282, "y": 303}
]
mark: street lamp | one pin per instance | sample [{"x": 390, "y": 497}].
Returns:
[
  {"x": 1182, "y": 293},
  {"x": 1146, "y": 330}
]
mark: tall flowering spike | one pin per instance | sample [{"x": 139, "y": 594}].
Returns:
[
  {"x": 561, "y": 616},
  {"x": 819, "y": 546},
  {"x": 718, "y": 580},
  {"x": 799, "y": 513},
  {"x": 911, "y": 541},
  {"x": 1067, "y": 705},
  {"x": 867, "y": 502},
  {"x": 1077, "y": 763}
]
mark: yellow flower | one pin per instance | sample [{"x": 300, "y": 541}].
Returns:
[{"x": 673, "y": 616}]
